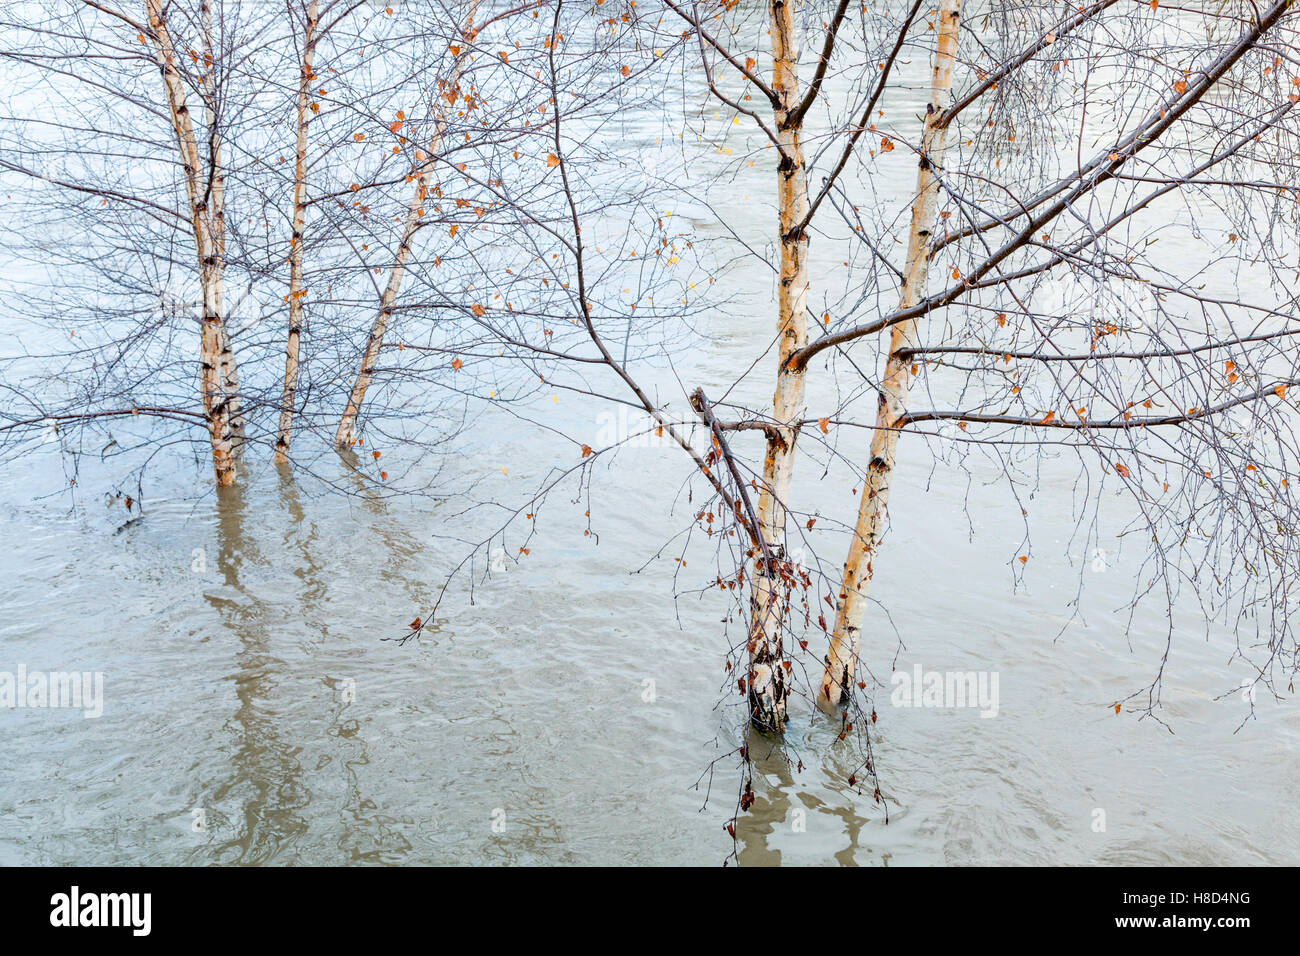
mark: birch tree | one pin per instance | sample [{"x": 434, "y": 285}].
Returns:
[
  {"x": 310, "y": 36},
  {"x": 1073, "y": 128},
  {"x": 851, "y": 600},
  {"x": 448, "y": 91},
  {"x": 94, "y": 89},
  {"x": 275, "y": 144},
  {"x": 1037, "y": 159}
]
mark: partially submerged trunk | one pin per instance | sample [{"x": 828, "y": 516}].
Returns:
[
  {"x": 289, "y": 396},
  {"x": 205, "y": 192},
  {"x": 347, "y": 434},
  {"x": 873, "y": 506},
  {"x": 768, "y": 673}
]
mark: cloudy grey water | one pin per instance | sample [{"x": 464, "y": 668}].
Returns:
[
  {"x": 571, "y": 712},
  {"x": 567, "y": 715}
]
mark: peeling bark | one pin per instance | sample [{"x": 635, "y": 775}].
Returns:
[
  {"x": 205, "y": 191},
  {"x": 873, "y": 506},
  {"x": 768, "y": 678}
]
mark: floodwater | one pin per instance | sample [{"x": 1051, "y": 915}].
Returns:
[
  {"x": 244, "y": 676},
  {"x": 572, "y": 712}
]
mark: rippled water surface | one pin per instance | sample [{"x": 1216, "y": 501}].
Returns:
[{"x": 254, "y": 684}]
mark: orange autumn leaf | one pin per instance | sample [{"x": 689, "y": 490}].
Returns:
[
  {"x": 552, "y": 160},
  {"x": 477, "y": 309},
  {"x": 1280, "y": 390},
  {"x": 415, "y": 625},
  {"x": 1121, "y": 470},
  {"x": 376, "y": 454},
  {"x": 456, "y": 364},
  {"x": 1024, "y": 559},
  {"x": 1047, "y": 418},
  {"x": 586, "y": 451},
  {"x": 824, "y": 424}
]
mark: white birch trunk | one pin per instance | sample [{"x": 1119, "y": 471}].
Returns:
[
  {"x": 873, "y": 506},
  {"x": 347, "y": 434},
  {"x": 289, "y": 396},
  {"x": 218, "y": 377},
  {"x": 768, "y": 678}
]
